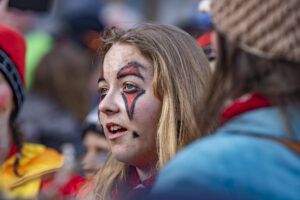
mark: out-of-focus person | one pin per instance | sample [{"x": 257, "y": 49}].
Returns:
[
  {"x": 255, "y": 97},
  {"x": 25, "y": 163},
  {"x": 95, "y": 144},
  {"x": 60, "y": 97},
  {"x": 118, "y": 14},
  {"x": 20, "y": 20},
  {"x": 205, "y": 39}
]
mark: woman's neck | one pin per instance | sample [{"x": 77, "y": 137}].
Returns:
[{"x": 146, "y": 172}]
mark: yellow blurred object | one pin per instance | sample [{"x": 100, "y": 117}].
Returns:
[{"x": 36, "y": 161}]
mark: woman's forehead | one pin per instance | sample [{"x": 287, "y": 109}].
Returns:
[{"x": 121, "y": 56}]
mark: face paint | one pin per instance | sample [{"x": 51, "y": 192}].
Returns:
[
  {"x": 101, "y": 98},
  {"x": 135, "y": 134},
  {"x": 130, "y": 100},
  {"x": 128, "y": 76},
  {"x": 130, "y": 97},
  {"x": 131, "y": 69},
  {"x": 101, "y": 78}
]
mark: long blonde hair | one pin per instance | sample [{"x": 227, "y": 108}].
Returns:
[{"x": 181, "y": 71}]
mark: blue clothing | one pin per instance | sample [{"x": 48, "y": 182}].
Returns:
[{"x": 231, "y": 164}]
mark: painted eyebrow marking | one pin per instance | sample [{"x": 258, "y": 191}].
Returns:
[
  {"x": 131, "y": 69},
  {"x": 101, "y": 78}
]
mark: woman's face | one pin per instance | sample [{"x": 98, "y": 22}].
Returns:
[
  {"x": 6, "y": 107},
  {"x": 129, "y": 112}
]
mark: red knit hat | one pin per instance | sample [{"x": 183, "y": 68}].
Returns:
[{"x": 12, "y": 61}]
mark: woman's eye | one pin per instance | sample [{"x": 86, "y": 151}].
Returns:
[
  {"x": 103, "y": 91},
  {"x": 129, "y": 87}
]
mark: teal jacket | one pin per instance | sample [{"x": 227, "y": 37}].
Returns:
[{"x": 233, "y": 164}]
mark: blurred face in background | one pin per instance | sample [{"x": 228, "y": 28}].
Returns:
[
  {"x": 96, "y": 150},
  {"x": 6, "y": 107}
]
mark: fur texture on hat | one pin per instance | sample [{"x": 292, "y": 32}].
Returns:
[
  {"x": 267, "y": 28},
  {"x": 12, "y": 61}
]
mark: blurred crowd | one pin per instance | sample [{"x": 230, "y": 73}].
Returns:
[{"x": 97, "y": 96}]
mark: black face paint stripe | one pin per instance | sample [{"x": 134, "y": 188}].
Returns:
[
  {"x": 101, "y": 98},
  {"x": 131, "y": 74},
  {"x": 101, "y": 78},
  {"x": 135, "y": 134}
]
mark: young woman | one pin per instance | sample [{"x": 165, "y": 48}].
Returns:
[
  {"x": 153, "y": 79},
  {"x": 255, "y": 91},
  {"x": 95, "y": 144}
]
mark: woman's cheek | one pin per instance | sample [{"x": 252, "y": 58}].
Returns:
[{"x": 147, "y": 112}]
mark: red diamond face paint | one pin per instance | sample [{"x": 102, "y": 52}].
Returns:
[
  {"x": 130, "y": 97},
  {"x": 130, "y": 100}
]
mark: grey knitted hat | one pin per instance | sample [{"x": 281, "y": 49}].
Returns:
[{"x": 267, "y": 28}]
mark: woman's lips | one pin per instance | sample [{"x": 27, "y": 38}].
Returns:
[{"x": 115, "y": 130}]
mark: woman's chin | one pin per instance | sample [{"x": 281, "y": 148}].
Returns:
[{"x": 123, "y": 157}]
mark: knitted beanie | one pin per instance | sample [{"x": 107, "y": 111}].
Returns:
[
  {"x": 266, "y": 28},
  {"x": 12, "y": 62}
]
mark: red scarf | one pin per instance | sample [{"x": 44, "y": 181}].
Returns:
[
  {"x": 243, "y": 104},
  {"x": 134, "y": 185}
]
